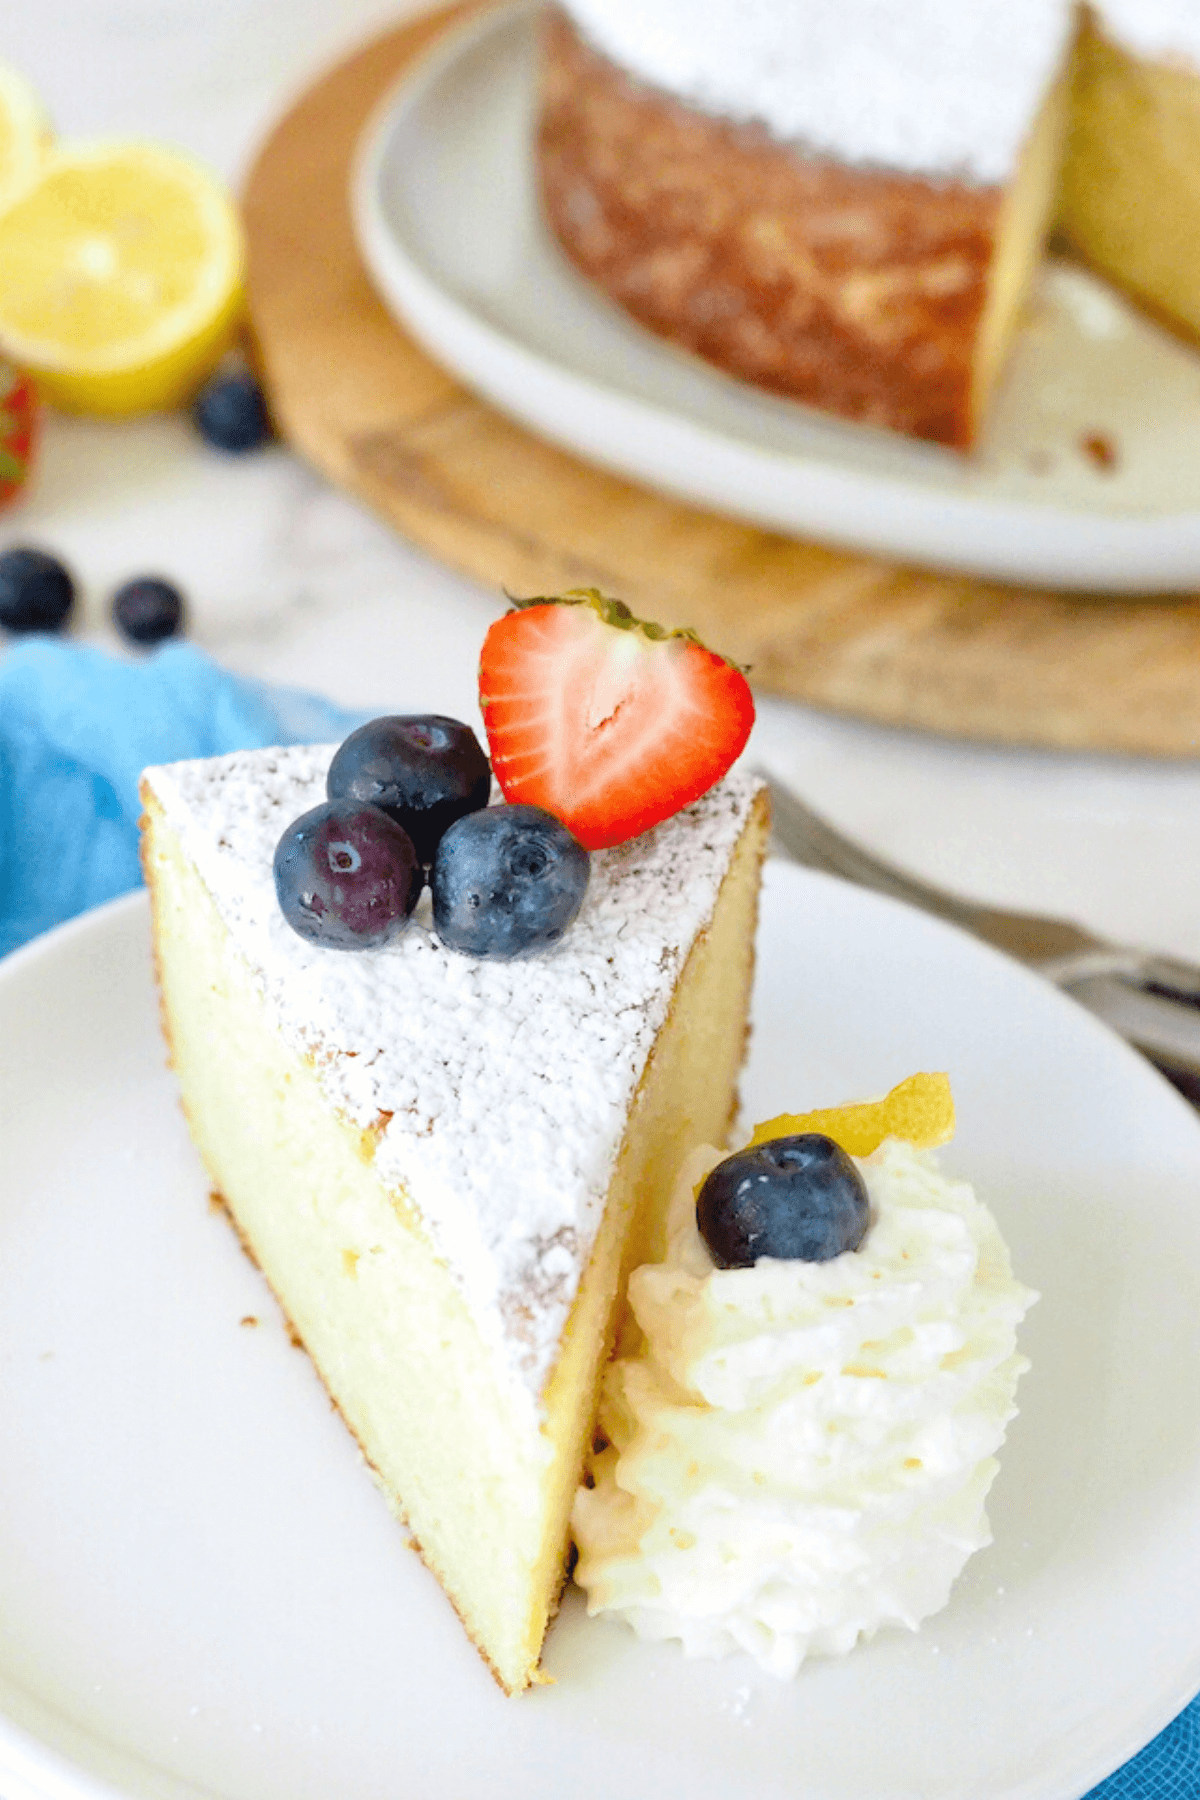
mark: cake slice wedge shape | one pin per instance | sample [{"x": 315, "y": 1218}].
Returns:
[{"x": 445, "y": 1168}]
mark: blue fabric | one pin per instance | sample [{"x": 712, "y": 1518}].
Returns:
[
  {"x": 77, "y": 728},
  {"x": 1167, "y": 1769}
]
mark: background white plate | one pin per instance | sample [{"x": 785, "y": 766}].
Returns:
[
  {"x": 202, "y": 1593},
  {"x": 448, "y": 224}
]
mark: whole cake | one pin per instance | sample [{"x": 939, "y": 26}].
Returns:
[
  {"x": 845, "y": 203},
  {"x": 446, "y": 1149},
  {"x": 800, "y": 1446}
]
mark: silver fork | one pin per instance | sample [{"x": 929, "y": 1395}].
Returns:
[{"x": 1152, "y": 1000}]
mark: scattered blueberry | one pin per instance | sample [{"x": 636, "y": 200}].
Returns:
[
  {"x": 346, "y": 876},
  {"x": 36, "y": 591},
  {"x": 797, "y": 1198},
  {"x": 231, "y": 414},
  {"x": 507, "y": 881},
  {"x": 147, "y": 609},
  {"x": 424, "y": 771}
]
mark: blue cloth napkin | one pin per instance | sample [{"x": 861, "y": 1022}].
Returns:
[
  {"x": 1167, "y": 1769},
  {"x": 76, "y": 730}
]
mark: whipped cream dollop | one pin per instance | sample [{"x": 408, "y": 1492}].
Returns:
[{"x": 799, "y": 1453}]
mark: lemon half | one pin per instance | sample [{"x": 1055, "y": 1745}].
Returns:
[
  {"x": 121, "y": 277},
  {"x": 24, "y": 134}
]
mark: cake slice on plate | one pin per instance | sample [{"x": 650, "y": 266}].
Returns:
[{"x": 445, "y": 1166}]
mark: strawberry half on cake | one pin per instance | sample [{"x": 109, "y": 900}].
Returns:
[
  {"x": 609, "y": 722},
  {"x": 446, "y": 1123}
]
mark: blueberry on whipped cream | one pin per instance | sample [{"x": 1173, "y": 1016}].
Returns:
[{"x": 799, "y": 1198}]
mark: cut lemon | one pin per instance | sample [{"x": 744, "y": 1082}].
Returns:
[
  {"x": 24, "y": 134},
  {"x": 121, "y": 277}
]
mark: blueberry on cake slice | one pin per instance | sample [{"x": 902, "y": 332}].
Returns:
[{"x": 446, "y": 1126}]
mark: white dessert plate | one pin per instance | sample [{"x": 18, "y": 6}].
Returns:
[
  {"x": 203, "y": 1595},
  {"x": 1089, "y": 474}
]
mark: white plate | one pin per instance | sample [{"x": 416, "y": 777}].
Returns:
[
  {"x": 201, "y": 1592},
  {"x": 448, "y": 224}
]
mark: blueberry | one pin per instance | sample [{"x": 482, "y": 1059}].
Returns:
[
  {"x": 346, "y": 876},
  {"x": 36, "y": 591},
  {"x": 424, "y": 771},
  {"x": 798, "y": 1198},
  {"x": 231, "y": 414},
  {"x": 147, "y": 609},
  {"x": 507, "y": 881}
]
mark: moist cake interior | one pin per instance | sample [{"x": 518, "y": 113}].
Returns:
[
  {"x": 1130, "y": 197},
  {"x": 475, "y": 1441}
]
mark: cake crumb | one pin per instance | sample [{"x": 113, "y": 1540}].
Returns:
[
  {"x": 738, "y": 1704},
  {"x": 1100, "y": 449},
  {"x": 249, "y": 1320}
]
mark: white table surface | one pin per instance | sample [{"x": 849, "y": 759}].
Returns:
[{"x": 289, "y": 580}]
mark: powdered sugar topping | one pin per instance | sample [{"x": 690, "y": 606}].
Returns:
[
  {"x": 500, "y": 1090},
  {"x": 936, "y": 87}
]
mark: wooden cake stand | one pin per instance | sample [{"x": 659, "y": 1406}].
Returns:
[{"x": 849, "y": 633}]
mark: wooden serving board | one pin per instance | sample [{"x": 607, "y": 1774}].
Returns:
[{"x": 849, "y": 633}]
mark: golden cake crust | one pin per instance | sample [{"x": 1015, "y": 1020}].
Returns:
[{"x": 858, "y": 291}]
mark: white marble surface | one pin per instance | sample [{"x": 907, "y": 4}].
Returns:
[{"x": 290, "y": 580}]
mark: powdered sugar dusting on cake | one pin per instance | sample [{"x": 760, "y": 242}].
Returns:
[
  {"x": 500, "y": 1090},
  {"x": 934, "y": 87},
  {"x": 1167, "y": 30}
]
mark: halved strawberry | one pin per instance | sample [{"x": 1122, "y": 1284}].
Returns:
[
  {"x": 607, "y": 722},
  {"x": 18, "y": 422}
]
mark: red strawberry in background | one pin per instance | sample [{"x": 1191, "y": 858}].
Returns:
[
  {"x": 607, "y": 722},
  {"x": 18, "y": 429}
]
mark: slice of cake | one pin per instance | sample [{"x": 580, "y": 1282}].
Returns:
[
  {"x": 445, "y": 1166},
  {"x": 842, "y": 203}
]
